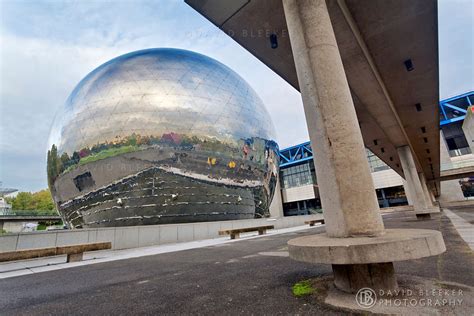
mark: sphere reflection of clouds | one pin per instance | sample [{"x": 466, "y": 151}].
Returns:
[
  {"x": 162, "y": 116},
  {"x": 156, "y": 91}
]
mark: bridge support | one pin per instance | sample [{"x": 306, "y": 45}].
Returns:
[
  {"x": 418, "y": 191},
  {"x": 345, "y": 183},
  {"x": 450, "y": 190},
  {"x": 350, "y": 206},
  {"x": 427, "y": 192}
]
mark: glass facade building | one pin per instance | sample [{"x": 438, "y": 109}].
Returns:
[
  {"x": 301, "y": 175},
  {"x": 452, "y": 113},
  {"x": 375, "y": 163}
]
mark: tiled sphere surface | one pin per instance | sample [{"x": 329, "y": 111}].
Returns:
[
  {"x": 161, "y": 136},
  {"x": 155, "y": 91}
]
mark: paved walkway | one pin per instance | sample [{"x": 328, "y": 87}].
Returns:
[
  {"x": 467, "y": 213},
  {"x": 464, "y": 228},
  {"x": 39, "y": 265},
  {"x": 250, "y": 276}
]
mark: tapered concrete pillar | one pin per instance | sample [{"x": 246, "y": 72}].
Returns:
[
  {"x": 426, "y": 190},
  {"x": 450, "y": 190},
  {"x": 420, "y": 198},
  {"x": 356, "y": 244},
  {"x": 346, "y": 187},
  {"x": 433, "y": 198},
  {"x": 345, "y": 184},
  {"x": 407, "y": 192}
]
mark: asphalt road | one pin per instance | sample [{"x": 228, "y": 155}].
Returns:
[{"x": 244, "y": 277}]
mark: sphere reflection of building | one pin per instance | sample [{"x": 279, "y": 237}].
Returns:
[{"x": 162, "y": 136}]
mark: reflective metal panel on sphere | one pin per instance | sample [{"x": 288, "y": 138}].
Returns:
[{"x": 162, "y": 136}]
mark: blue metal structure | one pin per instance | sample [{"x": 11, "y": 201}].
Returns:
[
  {"x": 296, "y": 154},
  {"x": 454, "y": 109},
  {"x": 451, "y": 110}
]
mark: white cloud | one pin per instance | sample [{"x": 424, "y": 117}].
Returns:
[
  {"x": 46, "y": 48},
  {"x": 36, "y": 77},
  {"x": 456, "y": 48},
  {"x": 38, "y": 71}
]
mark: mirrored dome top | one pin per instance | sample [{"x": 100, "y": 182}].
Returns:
[{"x": 159, "y": 91}]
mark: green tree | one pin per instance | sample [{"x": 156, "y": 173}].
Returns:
[
  {"x": 65, "y": 162},
  {"x": 75, "y": 158},
  {"x": 40, "y": 201},
  {"x": 48, "y": 169},
  {"x": 23, "y": 201},
  {"x": 54, "y": 164},
  {"x": 43, "y": 201}
]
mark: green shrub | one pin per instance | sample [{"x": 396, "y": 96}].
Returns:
[{"x": 302, "y": 288}]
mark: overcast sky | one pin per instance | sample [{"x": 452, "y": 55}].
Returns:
[{"x": 47, "y": 47}]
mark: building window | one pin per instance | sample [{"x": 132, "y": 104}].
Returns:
[
  {"x": 455, "y": 139},
  {"x": 299, "y": 175},
  {"x": 375, "y": 163},
  {"x": 391, "y": 196},
  {"x": 303, "y": 207},
  {"x": 467, "y": 186},
  {"x": 84, "y": 181}
]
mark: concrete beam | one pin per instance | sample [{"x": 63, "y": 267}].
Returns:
[{"x": 418, "y": 192}]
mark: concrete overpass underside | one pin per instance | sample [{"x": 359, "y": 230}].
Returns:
[{"x": 389, "y": 50}]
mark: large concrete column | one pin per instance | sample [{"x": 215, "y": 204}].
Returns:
[
  {"x": 426, "y": 190},
  {"x": 345, "y": 183},
  {"x": 348, "y": 197},
  {"x": 421, "y": 201},
  {"x": 347, "y": 192},
  {"x": 450, "y": 190},
  {"x": 407, "y": 192}
]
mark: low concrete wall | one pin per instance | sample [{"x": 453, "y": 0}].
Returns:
[
  {"x": 15, "y": 226},
  {"x": 140, "y": 236}
]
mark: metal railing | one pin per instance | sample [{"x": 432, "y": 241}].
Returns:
[{"x": 36, "y": 213}]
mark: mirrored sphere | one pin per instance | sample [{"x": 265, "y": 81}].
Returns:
[{"x": 161, "y": 136}]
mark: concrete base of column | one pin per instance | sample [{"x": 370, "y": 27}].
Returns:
[
  {"x": 426, "y": 213},
  {"x": 367, "y": 261},
  {"x": 353, "y": 277},
  {"x": 416, "y": 187},
  {"x": 423, "y": 216}
]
